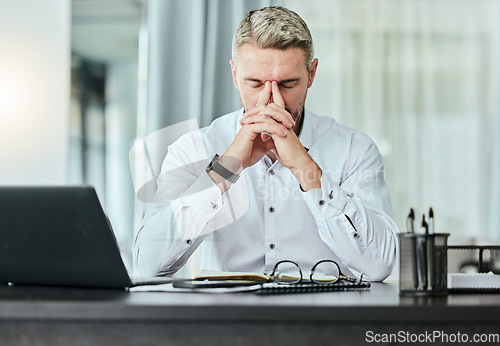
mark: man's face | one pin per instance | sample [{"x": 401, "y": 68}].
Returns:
[{"x": 255, "y": 66}]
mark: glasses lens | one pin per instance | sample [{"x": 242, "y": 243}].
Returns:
[
  {"x": 325, "y": 272},
  {"x": 287, "y": 272}
]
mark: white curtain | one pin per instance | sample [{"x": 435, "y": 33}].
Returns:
[
  {"x": 184, "y": 71},
  {"x": 422, "y": 79},
  {"x": 189, "y": 75}
]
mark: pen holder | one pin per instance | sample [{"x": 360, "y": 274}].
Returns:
[{"x": 423, "y": 264}]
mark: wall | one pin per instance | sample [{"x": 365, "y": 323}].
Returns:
[
  {"x": 121, "y": 107},
  {"x": 34, "y": 91}
]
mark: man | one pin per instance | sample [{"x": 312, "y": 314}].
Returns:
[{"x": 289, "y": 185}]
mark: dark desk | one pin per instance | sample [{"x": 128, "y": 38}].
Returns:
[{"x": 68, "y": 316}]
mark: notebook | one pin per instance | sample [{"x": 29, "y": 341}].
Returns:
[
  {"x": 207, "y": 286},
  {"x": 209, "y": 281},
  {"x": 59, "y": 236}
]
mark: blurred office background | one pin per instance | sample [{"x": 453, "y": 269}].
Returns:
[{"x": 81, "y": 80}]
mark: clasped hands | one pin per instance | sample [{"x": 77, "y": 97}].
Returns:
[{"x": 270, "y": 127}]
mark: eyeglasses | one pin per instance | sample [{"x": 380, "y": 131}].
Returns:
[{"x": 324, "y": 272}]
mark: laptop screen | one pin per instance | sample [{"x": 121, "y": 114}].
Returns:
[{"x": 57, "y": 236}]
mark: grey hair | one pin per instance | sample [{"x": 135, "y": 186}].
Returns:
[{"x": 274, "y": 27}]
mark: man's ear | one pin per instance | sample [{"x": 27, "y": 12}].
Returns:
[
  {"x": 312, "y": 72},
  {"x": 233, "y": 71}
]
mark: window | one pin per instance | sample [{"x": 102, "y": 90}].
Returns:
[{"x": 421, "y": 79}]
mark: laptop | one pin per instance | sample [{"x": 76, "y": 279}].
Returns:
[{"x": 59, "y": 236}]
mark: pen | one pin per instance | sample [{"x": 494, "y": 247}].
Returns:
[
  {"x": 411, "y": 230},
  {"x": 434, "y": 257},
  {"x": 425, "y": 225},
  {"x": 424, "y": 255},
  {"x": 409, "y": 221},
  {"x": 431, "y": 221}
]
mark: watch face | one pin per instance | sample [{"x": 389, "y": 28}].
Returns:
[
  {"x": 211, "y": 164},
  {"x": 221, "y": 170}
]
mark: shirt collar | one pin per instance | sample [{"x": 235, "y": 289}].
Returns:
[
  {"x": 305, "y": 135},
  {"x": 238, "y": 118}
]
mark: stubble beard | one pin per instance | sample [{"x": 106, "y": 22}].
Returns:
[{"x": 297, "y": 115}]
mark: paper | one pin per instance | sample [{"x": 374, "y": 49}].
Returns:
[
  {"x": 170, "y": 288},
  {"x": 246, "y": 276},
  {"x": 243, "y": 276},
  {"x": 480, "y": 280}
]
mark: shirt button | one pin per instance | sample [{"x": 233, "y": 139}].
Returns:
[
  {"x": 271, "y": 210},
  {"x": 215, "y": 206},
  {"x": 355, "y": 235},
  {"x": 321, "y": 202},
  {"x": 189, "y": 241},
  {"x": 272, "y": 246},
  {"x": 271, "y": 172}
]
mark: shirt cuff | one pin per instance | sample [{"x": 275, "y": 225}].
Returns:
[
  {"x": 204, "y": 189},
  {"x": 204, "y": 201},
  {"x": 328, "y": 201}
]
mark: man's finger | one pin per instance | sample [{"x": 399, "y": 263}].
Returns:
[
  {"x": 272, "y": 110},
  {"x": 276, "y": 95},
  {"x": 265, "y": 136},
  {"x": 267, "y": 127},
  {"x": 284, "y": 116},
  {"x": 269, "y": 143},
  {"x": 264, "y": 99},
  {"x": 271, "y": 113},
  {"x": 253, "y": 111}
]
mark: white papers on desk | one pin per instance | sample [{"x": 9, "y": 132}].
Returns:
[
  {"x": 169, "y": 288},
  {"x": 474, "y": 281}
]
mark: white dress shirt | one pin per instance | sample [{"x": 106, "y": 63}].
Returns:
[{"x": 265, "y": 217}]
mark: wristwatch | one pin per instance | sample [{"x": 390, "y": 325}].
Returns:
[{"x": 215, "y": 166}]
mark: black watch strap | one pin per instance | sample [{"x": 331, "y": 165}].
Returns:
[{"x": 215, "y": 166}]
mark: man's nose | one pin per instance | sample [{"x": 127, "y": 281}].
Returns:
[{"x": 271, "y": 100}]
